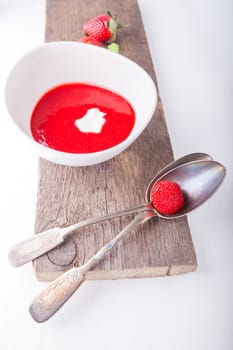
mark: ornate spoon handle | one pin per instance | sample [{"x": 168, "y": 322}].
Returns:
[
  {"x": 37, "y": 245},
  {"x": 49, "y": 301}
]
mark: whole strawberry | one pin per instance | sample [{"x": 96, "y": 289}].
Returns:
[
  {"x": 103, "y": 28},
  {"x": 167, "y": 197}
]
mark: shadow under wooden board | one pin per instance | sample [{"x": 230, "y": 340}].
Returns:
[{"x": 67, "y": 195}]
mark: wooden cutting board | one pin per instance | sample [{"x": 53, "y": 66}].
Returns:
[{"x": 70, "y": 194}]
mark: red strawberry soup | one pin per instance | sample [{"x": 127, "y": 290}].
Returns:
[{"x": 81, "y": 118}]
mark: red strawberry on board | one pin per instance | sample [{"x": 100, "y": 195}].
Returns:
[
  {"x": 103, "y": 28},
  {"x": 90, "y": 40},
  {"x": 167, "y": 197}
]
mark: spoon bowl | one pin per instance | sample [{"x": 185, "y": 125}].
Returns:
[
  {"x": 197, "y": 180},
  {"x": 188, "y": 158}
]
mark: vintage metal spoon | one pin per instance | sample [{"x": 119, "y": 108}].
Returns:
[
  {"x": 198, "y": 181},
  {"x": 39, "y": 244}
]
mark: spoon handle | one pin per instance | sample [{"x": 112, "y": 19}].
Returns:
[
  {"x": 39, "y": 244},
  {"x": 56, "y": 294},
  {"x": 49, "y": 301},
  {"x": 35, "y": 246}
]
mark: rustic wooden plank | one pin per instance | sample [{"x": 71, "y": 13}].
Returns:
[{"x": 70, "y": 194}]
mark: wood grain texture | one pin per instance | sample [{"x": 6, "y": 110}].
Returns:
[{"x": 69, "y": 194}]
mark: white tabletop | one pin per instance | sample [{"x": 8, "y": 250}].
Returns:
[{"x": 191, "y": 46}]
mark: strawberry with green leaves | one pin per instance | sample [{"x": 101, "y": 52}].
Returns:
[{"x": 103, "y": 28}]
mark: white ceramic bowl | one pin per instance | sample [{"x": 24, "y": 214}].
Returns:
[{"x": 52, "y": 64}]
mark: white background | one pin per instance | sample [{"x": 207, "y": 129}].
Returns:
[{"x": 191, "y": 46}]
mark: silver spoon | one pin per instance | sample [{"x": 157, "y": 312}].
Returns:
[
  {"x": 198, "y": 181},
  {"x": 37, "y": 245}
]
